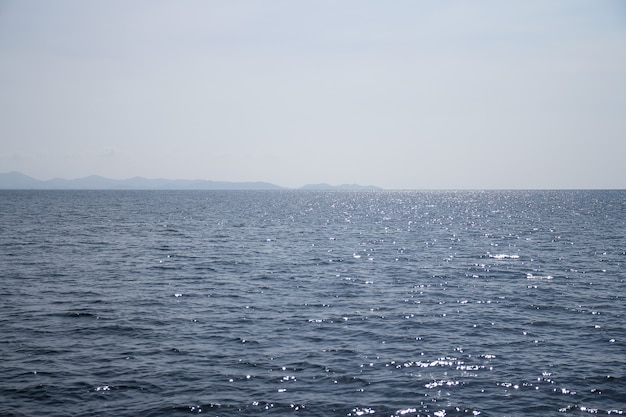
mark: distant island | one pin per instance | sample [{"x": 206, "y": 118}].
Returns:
[
  {"x": 324, "y": 186},
  {"x": 19, "y": 181}
]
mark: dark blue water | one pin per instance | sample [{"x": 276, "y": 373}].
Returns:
[{"x": 158, "y": 303}]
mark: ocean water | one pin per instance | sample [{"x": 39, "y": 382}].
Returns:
[{"x": 167, "y": 303}]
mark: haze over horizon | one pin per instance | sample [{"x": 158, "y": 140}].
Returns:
[{"x": 401, "y": 95}]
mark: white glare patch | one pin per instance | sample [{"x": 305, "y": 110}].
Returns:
[
  {"x": 441, "y": 383},
  {"x": 503, "y": 256},
  {"x": 362, "y": 411},
  {"x": 538, "y": 277}
]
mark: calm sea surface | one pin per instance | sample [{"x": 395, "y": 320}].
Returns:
[{"x": 166, "y": 303}]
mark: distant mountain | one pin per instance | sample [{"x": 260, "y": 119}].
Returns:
[
  {"x": 324, "y": 186},
  {"x": 17, "y": 180}
]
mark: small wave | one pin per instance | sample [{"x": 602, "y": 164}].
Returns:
[
  {"x": 503, "y": 256},
  {"x": 441, "y": 383},
  {"x": 80, "y": 314},
  {"x": 538, "y": 277},
  {"x": 255, "y": 406},
  {"x": 422, "y": 410},
  {"x": 591, "y": 410}
]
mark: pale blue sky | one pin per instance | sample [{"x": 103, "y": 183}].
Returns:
[{"x": 400, "y": 94}]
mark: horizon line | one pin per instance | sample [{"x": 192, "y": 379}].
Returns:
[{"x": 224, "y": 183}]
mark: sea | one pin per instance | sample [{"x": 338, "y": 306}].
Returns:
[{"x": 312, "y": 303}]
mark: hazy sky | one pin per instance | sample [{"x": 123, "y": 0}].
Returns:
[{"x": 399, "y": 94}]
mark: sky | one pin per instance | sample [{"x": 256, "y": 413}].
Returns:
[{"x": 399, "y": 94}]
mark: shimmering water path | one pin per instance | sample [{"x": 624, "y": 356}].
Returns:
[{"x": 159, "y": 303}]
